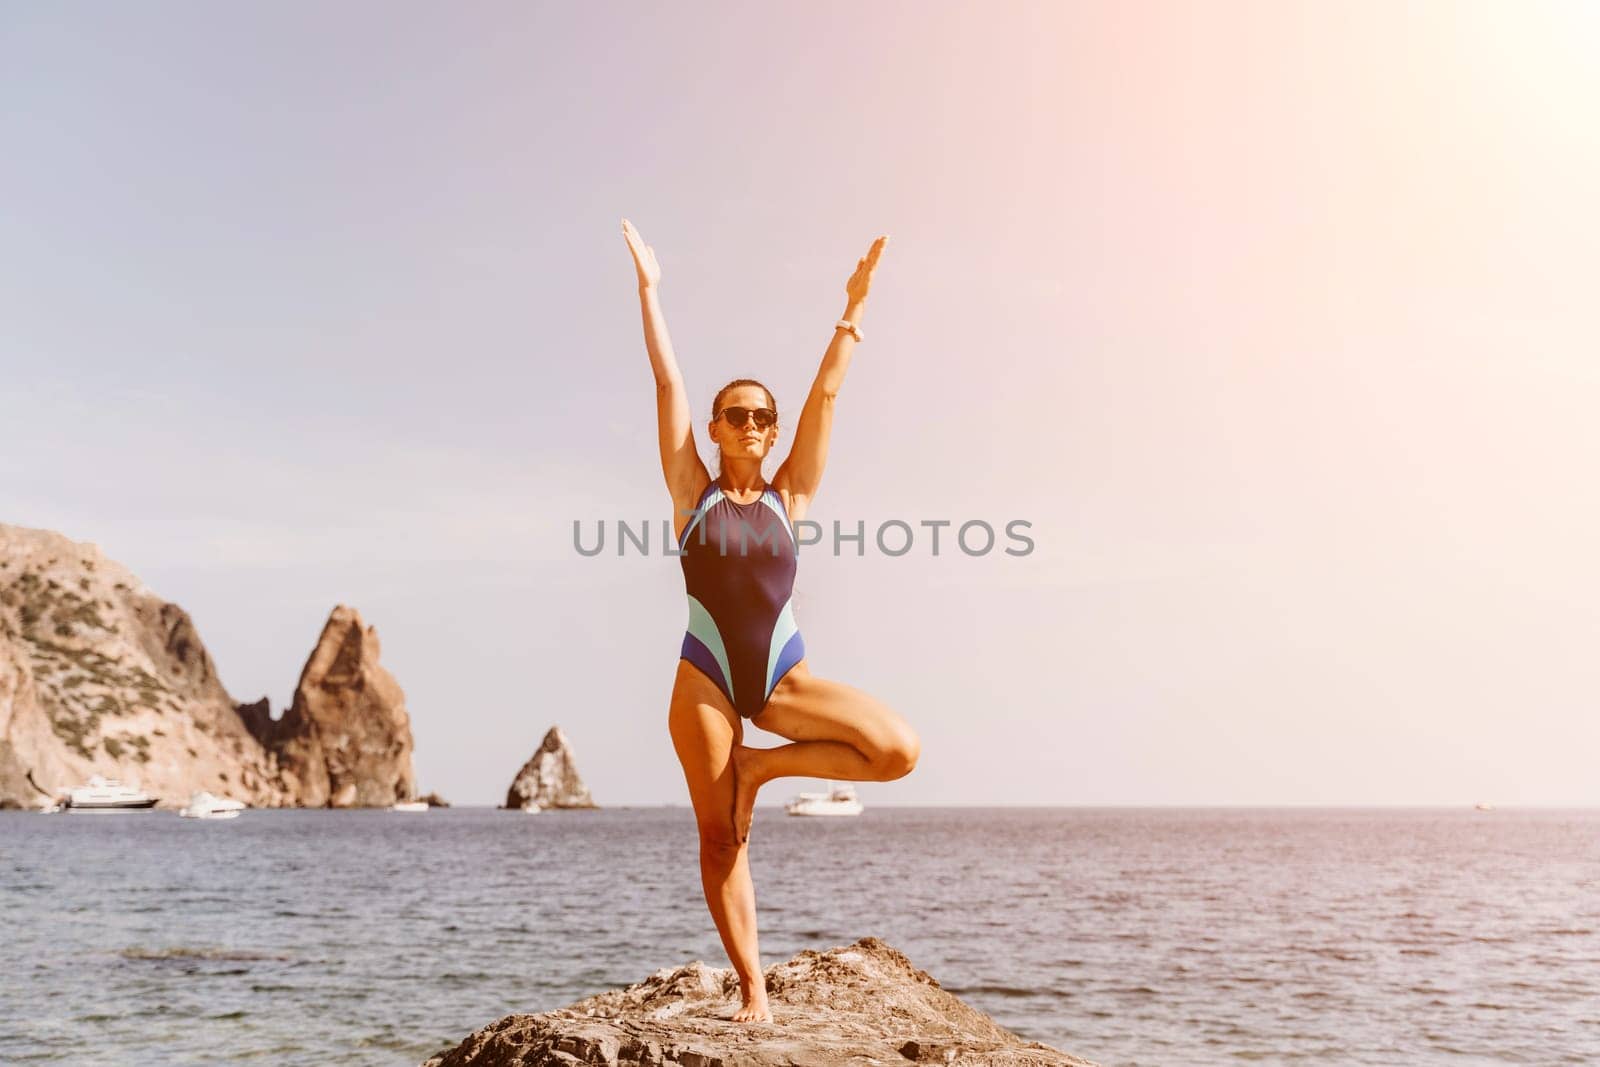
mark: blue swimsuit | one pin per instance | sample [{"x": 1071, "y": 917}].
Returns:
[{"x": 742, "y": 634}]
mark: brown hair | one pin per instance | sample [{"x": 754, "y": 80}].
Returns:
[{"x": 716, "y": 406}]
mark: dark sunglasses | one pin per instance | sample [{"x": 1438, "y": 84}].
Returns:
[{"x": 735, "y": 416}]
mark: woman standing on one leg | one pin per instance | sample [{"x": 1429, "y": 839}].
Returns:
[{"x": 743, "y": 656}]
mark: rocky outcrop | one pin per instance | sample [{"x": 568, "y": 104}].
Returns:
[
  {"x": 434, "y": 800},
  {"x": 550, "y": 778},
  {"x": 855, "y": 1005},
  {"x": 346, "y": 740},
  {"x": 98, "y": 675}
]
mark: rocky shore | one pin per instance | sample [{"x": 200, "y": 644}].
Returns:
[{"x": 849, "y": 1006}]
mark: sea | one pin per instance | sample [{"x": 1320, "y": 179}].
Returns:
[{"x": 1127, "y": 936}]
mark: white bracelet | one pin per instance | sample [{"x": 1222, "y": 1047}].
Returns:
[{"x": 846, "y": 324}]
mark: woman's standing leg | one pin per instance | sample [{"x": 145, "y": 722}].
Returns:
[{"x": 705, "y": 731}]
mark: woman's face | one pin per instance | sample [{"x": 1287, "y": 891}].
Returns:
[{"x": 747, "y": 441}]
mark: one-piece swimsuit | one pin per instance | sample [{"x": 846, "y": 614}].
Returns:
[{"x": 739, "y": 564}]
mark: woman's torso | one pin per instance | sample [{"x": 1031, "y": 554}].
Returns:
[{"x": 739, "y": 563}]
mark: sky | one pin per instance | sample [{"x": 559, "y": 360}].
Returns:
[{"x": 1275, "y": 322}]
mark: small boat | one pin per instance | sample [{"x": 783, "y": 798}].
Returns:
[
  {"x": 108, "y": 795},
  {"x": 1484, "y": 806},
  {"x": 203, "y": 805},
  {"x": 838, "y": 800},
  {"x": 532, "y": 807},
  {"x": 410, "y": 805}
]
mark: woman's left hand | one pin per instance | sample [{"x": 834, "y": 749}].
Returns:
[{"x": 856, "y": 288}]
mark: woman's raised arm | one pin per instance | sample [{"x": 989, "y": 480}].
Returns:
[
  {"x": 686, "y": 475},
  {"x": 801, "y": 472}
]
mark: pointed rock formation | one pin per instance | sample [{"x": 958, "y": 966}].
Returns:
[
  {"x": 550, "y": 779},
  {"x": 346, "y": 740},
  {"x": 98, "y": 675},
  {"x": 853, "y": 1005}
]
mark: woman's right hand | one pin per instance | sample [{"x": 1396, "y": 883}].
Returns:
[{"x": 644, "y": 257}]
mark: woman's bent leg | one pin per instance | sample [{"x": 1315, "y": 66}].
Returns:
[{"x": 837, "y": 731}]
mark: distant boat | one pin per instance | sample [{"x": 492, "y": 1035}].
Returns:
[
  {"x": 1484, "y": 806},
  {"x": 532, "y": 807},
  {"x": 108, "y": 795},
  {"x": 838, "y": 800},
  {"x": 203, "y": 805},
  {"x": 410, "y": 805}
]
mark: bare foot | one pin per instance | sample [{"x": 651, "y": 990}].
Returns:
[
  {"x": 755, "y": 1008},
  {"x": 746, "y": 782}
]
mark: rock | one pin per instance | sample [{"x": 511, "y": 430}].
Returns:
[
  {"x": 346, "y": 740},
  {"x": 550, "y": 778},
  {"x": 853, "y": 1005},
  {"x": 434, "y": 800},
  {"x": 98, "y": 675}
]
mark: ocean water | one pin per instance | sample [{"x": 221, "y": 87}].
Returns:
[{"x": 1127, "y": 936}]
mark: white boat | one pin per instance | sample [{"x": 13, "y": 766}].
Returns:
[
  {"x": 203, "y": 805},
  {"x": 1484, "y": 806},
  {"x": 532, "y": 808},
  {"x": 838, "y": 800},
  {"x": 410, "y": 805},
  {"x": 108, "y": 795}
]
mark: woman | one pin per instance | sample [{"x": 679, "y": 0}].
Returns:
[{"x": 742, "y": 656}]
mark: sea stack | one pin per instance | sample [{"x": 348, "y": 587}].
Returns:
[
  {"x": 857, "y": 1004},
  {"x": 550, "y": 778},
  {"x": 345, "y": 742}
]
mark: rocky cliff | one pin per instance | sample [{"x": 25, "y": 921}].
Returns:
[
  {"x": 847, "y": 1007},
  {"x": 550, "y": 778},
  {"x": 98, "y": 675}
]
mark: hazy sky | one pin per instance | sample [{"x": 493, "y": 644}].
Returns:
[{"x": 1276, "y": 321}]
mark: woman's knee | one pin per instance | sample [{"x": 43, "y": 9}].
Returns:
[
  {"x": 898, "y": 755},
  {"x": 719, "y": 844}
]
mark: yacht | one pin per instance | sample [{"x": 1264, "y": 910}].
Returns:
[
  {"x": 410, "y": 805},
  {"x": 108, "y": 794},
  {"x": 838, "y": 800},
  {"x": 532, "y": 807},
  {"x": 203, "y": 805}
]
